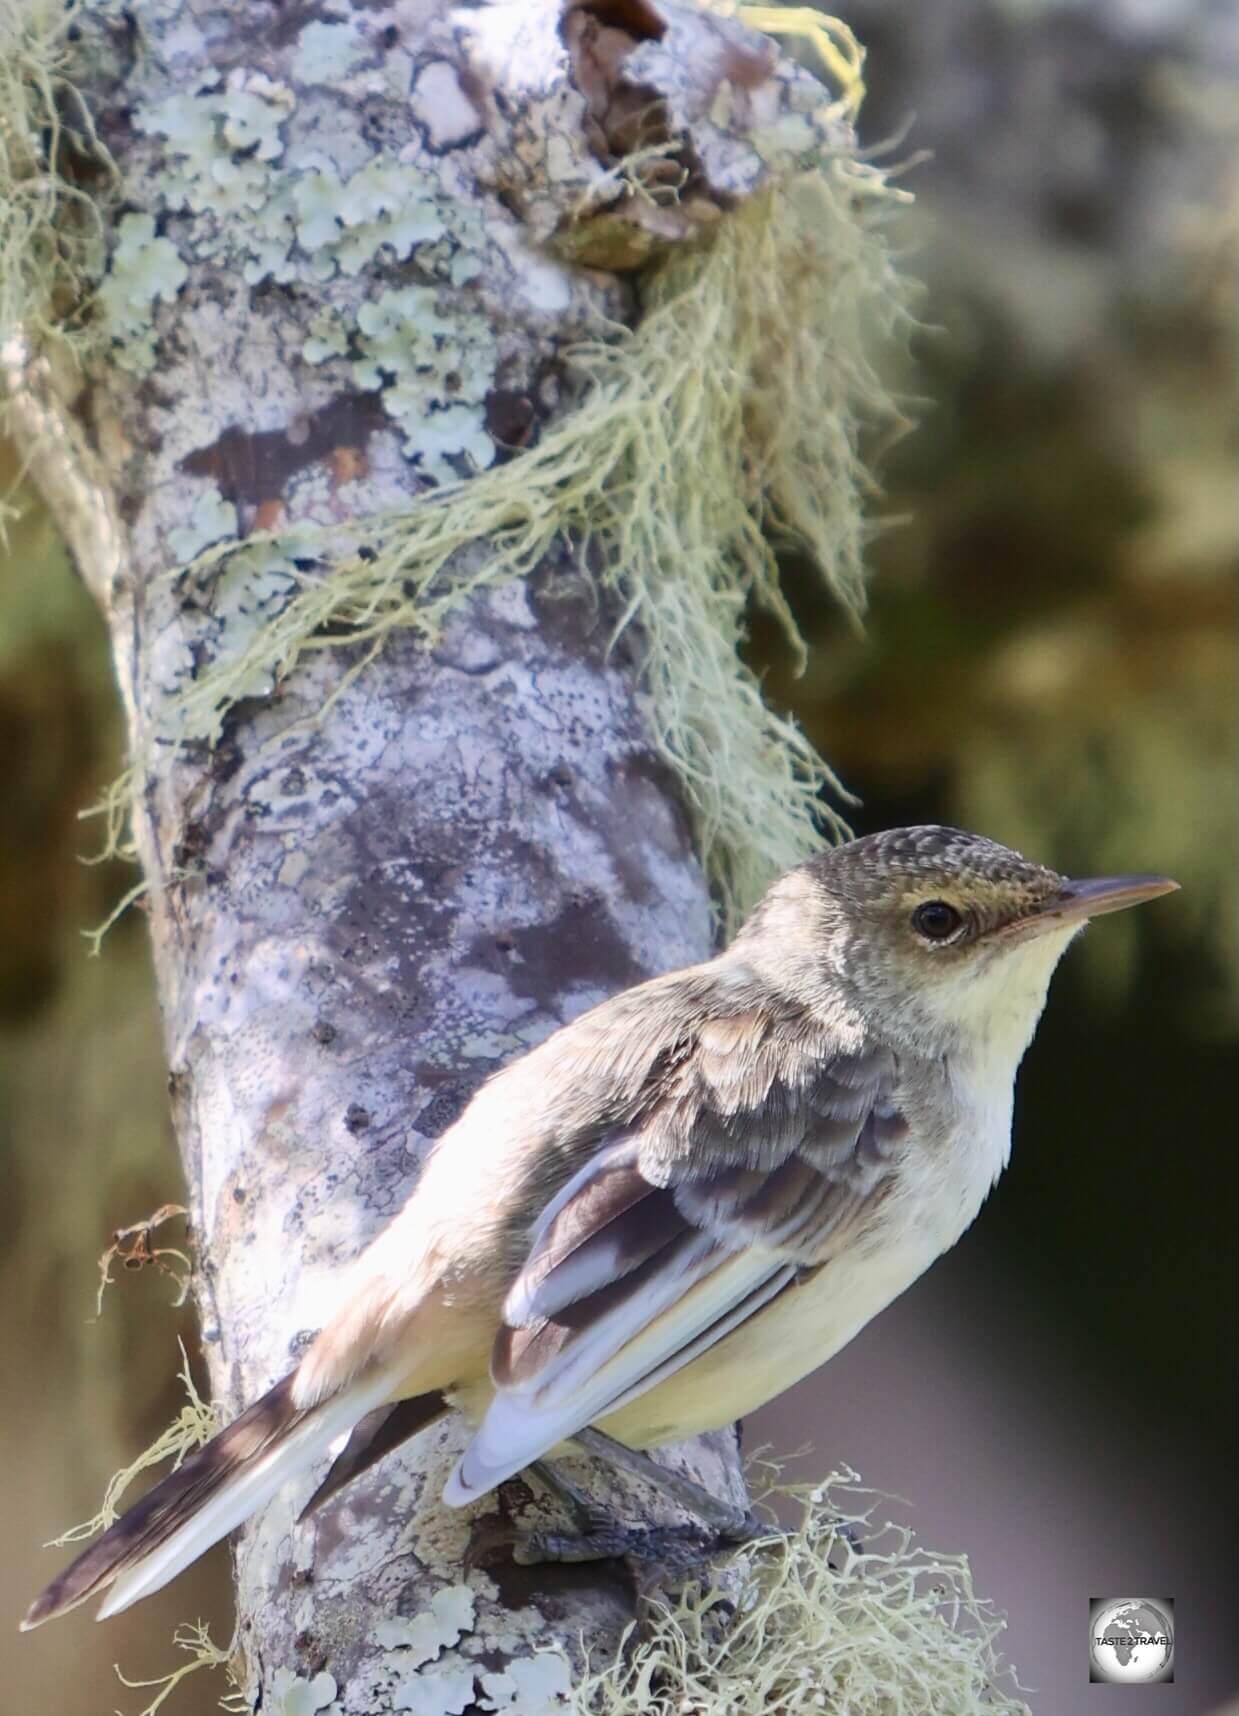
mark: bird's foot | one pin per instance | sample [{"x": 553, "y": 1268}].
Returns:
[
  {"x": 671, "y": 1548},
  {"x": 655, "y": 1556},
  {"x": 658, "y": 1559}
]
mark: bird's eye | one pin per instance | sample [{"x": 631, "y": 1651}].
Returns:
[{"x": 935, "y": 920}]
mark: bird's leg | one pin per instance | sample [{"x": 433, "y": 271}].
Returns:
[
  {"x": 654, "y": 1554},
  {"x": 727, "y": 1520},
  {"x": 651, "y": 1551},
  {"x": 730, "y": 1524},
  {"x": 587, "y": 1515},
  {"x": 494, "y": 1535},
  {"x": 737, "y": 1523},
  {"x": 599, "y": 1536},
  {"x": 667, "y": 1548}
]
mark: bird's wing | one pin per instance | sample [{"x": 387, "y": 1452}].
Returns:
[{"x": 759, "y": 1150}]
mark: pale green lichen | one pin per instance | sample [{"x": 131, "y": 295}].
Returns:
[
  {"x": 289, "y": 1695},
  {"x": 326, "y": 52},
  {"x": 242, "y": 603},
  {"x": 832, "y": 42},
  {"x": 250, "y": 119},
  {"x": 115, "y": 806},
  {"x": 213, "y": 518},
  {"x": 727, "y": 419},
  {"x": 429, "y": 356},
  {"x": 426, "y": 364},
  {"x": 450, "y": 1616},
  {"x": 346, "y": 223},
  {"x": 203, "y": 1652},
  {"x": 271, "y": 241},
  {"x": 224, "y": 142},
  {"x": 194, "y": 1425},
  {"x": 328, "y": 337},
  {"x": 318, "y": 203},
  {"x": 529, "y": 1686},
  {"x": 440, "y": 1692},
  {"x": 145, "y": 271}
]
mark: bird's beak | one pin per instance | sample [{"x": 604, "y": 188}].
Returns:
[{"x": 1076, "y": 902}]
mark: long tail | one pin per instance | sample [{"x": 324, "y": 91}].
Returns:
[{"x": 217, "y": 1488}]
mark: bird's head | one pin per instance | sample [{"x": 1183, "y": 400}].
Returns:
[{"x": 941, "y": 936}]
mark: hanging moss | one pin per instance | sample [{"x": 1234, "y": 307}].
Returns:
[
  {"x": 808, "y": 1624},
  {"x": 51, "y": 234},
  {"x": 728, "y": 420}
]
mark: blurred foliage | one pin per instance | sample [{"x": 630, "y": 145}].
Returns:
[
  {"x": 1050, "y": 653},
  {"x": 83, "y": 1123},
  {"x": 59, "y": 727},
  {"x": 85, "y": 1139}
]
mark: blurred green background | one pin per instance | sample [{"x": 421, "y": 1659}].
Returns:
[{"x": 1050, "y": 659}]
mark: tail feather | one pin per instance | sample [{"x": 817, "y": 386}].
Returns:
[
  {"x": 214, "y": 1491},
  {"x": 376, "y": 1435}
]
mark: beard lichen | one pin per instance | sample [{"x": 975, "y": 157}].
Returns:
[
  {"x": 194, "y": 1638},
  {"x": 840, "y": 1616},
  {"x": 51, "y": 232},
  {"x": 728, "y": 421},
  {"x": 194, "y": 1425}
]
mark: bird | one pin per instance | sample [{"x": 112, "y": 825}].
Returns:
[{"x": 678, "y": 1204}]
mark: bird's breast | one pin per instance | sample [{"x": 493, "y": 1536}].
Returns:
[
  {"x": 959, "y": 1113},
  {"x": 958, "y": 1143}
]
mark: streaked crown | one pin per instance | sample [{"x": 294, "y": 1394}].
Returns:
[{"x": 870, "y": 867}]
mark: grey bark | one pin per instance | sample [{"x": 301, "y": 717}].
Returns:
[{"x": 357, "y": 911}]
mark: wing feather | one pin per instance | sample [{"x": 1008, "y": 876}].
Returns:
[
  {"x": 519, "y": 1428},
  {"x": 757, "y": 1148},
  {"x": 608, "y": 1230}
]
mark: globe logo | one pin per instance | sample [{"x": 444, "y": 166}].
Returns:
[{"x": 1131, "y": 1640}]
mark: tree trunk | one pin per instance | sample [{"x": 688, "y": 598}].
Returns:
[{"x": 329, "y": 289}]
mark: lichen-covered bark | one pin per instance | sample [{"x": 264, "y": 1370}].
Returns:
[
  {"x": 380, "y": 908},
  {"x": 349, "y": 249}
]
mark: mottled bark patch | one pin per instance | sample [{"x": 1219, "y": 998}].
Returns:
[
  {"x": 256, "y": 465},
  {"x": 578, "y": 949}
]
